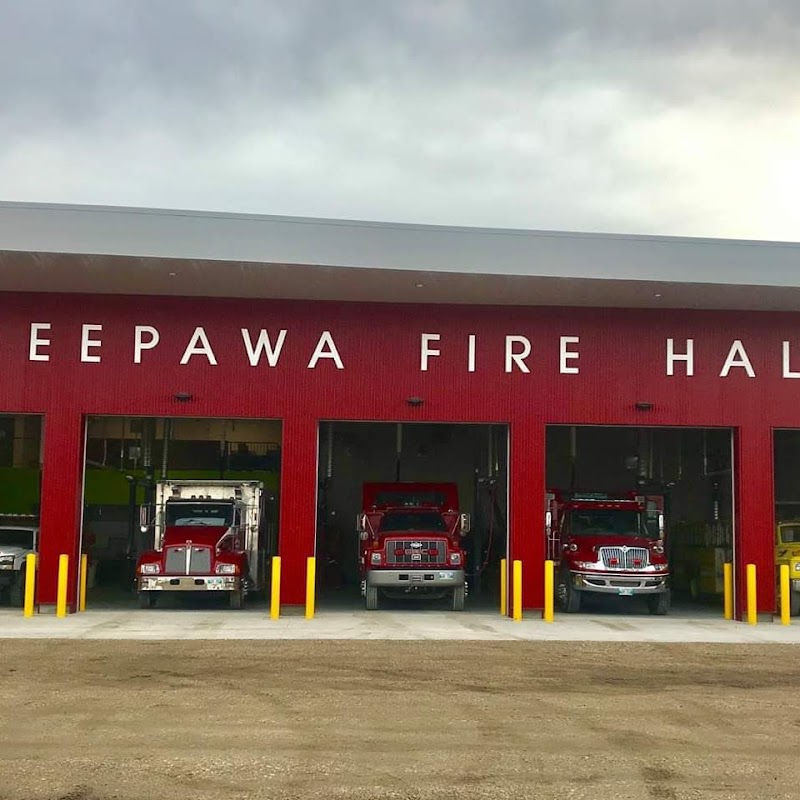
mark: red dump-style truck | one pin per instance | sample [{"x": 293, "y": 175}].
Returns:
[
  {"x": 411, "y": 542},
  {"x": 607, "y": 544},
  {"x": 209, "y": 536}
]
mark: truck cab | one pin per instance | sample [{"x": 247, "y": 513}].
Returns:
[
  {"x": 16, "y": 543},
  {"x": 411, "y": 542},
  {"x": 607, "y": 543},
  {"x": 207, "y": 538},
  {"x": 787, "y": 551}
]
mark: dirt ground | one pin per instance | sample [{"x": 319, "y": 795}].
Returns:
[{"x": 152, "y": 720}]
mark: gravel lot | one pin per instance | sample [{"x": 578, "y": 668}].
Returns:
[{"x": 95, "y": 720}]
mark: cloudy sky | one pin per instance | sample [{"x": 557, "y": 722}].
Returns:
[{"x": 633, "y": 116}]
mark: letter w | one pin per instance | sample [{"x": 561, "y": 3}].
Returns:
[{"x": 263, "y": 344}]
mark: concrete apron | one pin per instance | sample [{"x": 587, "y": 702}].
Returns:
[{"x": 417, "y": 624}]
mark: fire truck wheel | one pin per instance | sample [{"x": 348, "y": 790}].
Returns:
[
  {"x": 147, "y": 599},
  {"x": 658, "y": 604},
  {"x": 372, "y": 598},
  {"x": 569, "y": 600},
  {"x": 236, "y": 599},
  {"x": 16, "y": 592},
  {"x": 794, "y": 604},
  {"x": 459, "y": 597}
]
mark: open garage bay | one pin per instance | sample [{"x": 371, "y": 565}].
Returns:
[{"x": 100, "y": 720}]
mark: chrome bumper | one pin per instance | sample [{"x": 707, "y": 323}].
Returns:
[
  {"x": 621, "y": 584},
  {"x": 417, "y": 578},
  {"x": 188, "y": 583}
]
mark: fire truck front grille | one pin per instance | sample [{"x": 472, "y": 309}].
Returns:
[
  {"x": 175, "y": 560},
  {"x": 415, "y": 551},
  {"x": 200, "y": 560},
  {"x": 624, "y": 557}
]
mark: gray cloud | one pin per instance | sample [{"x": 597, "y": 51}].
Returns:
[{"x": 621, "y": 115}]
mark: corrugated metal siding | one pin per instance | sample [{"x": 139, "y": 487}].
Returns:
[{"x": 622, "y": 361}]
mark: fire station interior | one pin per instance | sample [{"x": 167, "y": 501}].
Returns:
[
  {"x": 353, "y": 453},
  {"x": 787, "y": 502},
  {"x": 20, "y": 483},
  {"x": 126, "y": 456},
  {"x": 691, "y": 468}
]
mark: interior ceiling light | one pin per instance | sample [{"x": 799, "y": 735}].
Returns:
[{"x": 419, "y": 285}]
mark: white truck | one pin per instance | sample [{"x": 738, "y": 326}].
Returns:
[
  {"x": 209, "y": 536},
  {"x": 16, "y": 542}
]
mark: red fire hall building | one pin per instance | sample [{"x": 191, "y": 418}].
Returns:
[{"x": 168, "y": 314}]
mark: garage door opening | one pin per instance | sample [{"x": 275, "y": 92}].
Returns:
[
  {"x": 140, "y": 472},
  {"x": 436, "y": 497},
  {"x": 787, "y": 511},
  {"x": 20, "y": 487},
  {"x": 639, "y": 520}
]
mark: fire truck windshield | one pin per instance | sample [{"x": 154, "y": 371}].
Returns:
[
  {"x": 412, "y": 521},
  {"x": 790, "y": 534},
  {"x": 586, "y": 522},
  {"x": 194, "y": 513}
]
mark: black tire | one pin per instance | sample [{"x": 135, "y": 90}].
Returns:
[
  {"x": 569, "y": 600},
  {"x": 371, "y": 598},
  {"x": 16, "y": 591},
  {"x": 794, "y": 603},
  {"x": 147, "y": 599},
  {"x": 459, "y": 598},
  {"x": 236, "y": 599},
  {"x": 658, "y": 604}
]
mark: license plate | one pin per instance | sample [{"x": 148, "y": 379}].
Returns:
[{"x": 626, "y": 592}]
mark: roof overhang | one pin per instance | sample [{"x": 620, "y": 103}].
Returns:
[{"x": 91, "y": 249}]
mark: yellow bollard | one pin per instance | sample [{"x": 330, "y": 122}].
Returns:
[
  {"x": 547, "y": 614},
  {"x": 786, "y": 598},
  {"x": 752, "y": 616},
  {"x": 63, "y": 575},
  {"x": 503, "y": 587},
  {"x": 275, "y": 593},
  {"x": 311, "y": 585},
  {"x": 84, "y": 578},
  {"x": 727, "y": 589},
  {"x": 30, "y": 584},
  {"x": 517, "y": 590}
]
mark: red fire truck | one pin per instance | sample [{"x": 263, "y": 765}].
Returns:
[
  {"x": 411, "y": 542},
  {"x": 209, "y": 536},
  {"x": 607, "y": 544}
]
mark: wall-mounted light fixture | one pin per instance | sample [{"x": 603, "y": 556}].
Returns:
[
  {"x": 415, "y": 401},
  {"x": 182, "y": 397},
  {"x": 644, "y": 406}
]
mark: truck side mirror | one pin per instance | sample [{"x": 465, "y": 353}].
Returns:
[
  {"x": 143, "y": 526},
  {"x": 548, "y": 522},
  {"x": 466, "y": 524},
  {"x": 660, "y": 526},
  {"x": 361, "y": 525}
]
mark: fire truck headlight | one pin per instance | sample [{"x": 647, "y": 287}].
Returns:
[
  {"x": 586, "y": 564},
  {"x": 658, "y": 548},
  {"x": 375, "y": 558},
  {"x": 150, "y": 569},
  {"x": 797, "y": 566},
  {"x": 226, "y": 569},
  {"x": 455, "y": 558}
]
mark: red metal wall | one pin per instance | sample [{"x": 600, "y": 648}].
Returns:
[{"x": 622, "y": 362}]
